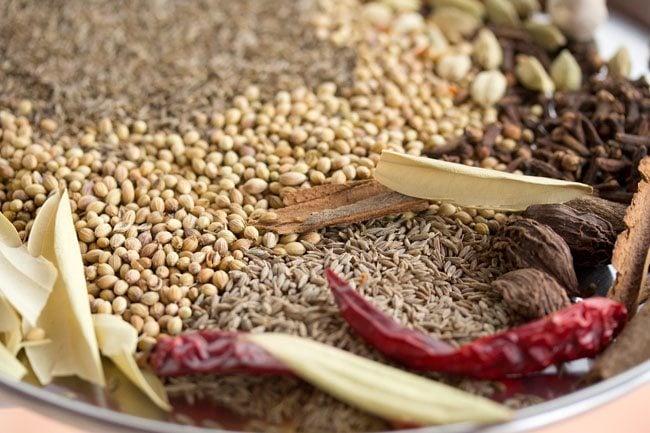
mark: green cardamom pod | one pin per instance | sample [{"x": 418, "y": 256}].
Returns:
[
  {"x": 488, "y": 88},
  {"x": 454, "y": 23},
  {"x": 526, "y": 8},
  {"x": 502, "y": 13},
  {"x": 532, "y": 75},
  {"x": 487, "y": 50},
  {"x": 438, "y": 44},
  {"x": 620, "y": 66},
  {"x": 453, "y": 66},
  {"x": 545, "y": 35},
  {"x": 566, "y": 72},
  {"x": 472, "y": 7}
]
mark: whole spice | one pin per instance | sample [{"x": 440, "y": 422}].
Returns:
[
  {"x": 487, "y": 51},
  {"x": 488, "y": 88},
  {"x": 612, "y": 212},
  {"x": 531, "y": 292},
  {"x": 453, "y": 66},
  {"x": 581, "y": 330},
  {"x": 566, "y": 72},
  {"x": 526, "y": 243},
  {"x": 325, "y": 205},
  {"x": 631, "y": 256},
  {"x": 620, "y": 65},
  {"x": 532, "y": 75},
  {"x": 470, "y": 186},
  {"x": 545, "y": 35},
  {"x": 379, "y": 389},
  {"x": 578, "y": 19},
  {"x": 589, "y": 237},
  {"x": 502, "y": 12},
  {"x": 631, "y": 348}
]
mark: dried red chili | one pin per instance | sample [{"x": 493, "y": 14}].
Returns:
[
  {"x": 581, "y": 330},
  {"x": 212, "y": 352}
]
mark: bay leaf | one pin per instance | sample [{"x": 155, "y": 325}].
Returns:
[
  {"x": 379, "y": 389},
  {"x": 117, "y": 341},
  {"x": 471, "y": 186},
  {"x": 8, "y": 233},
  {"x": 66, "y": 318},
  {"x": 9, "y": 326},
  {"x": 9, "y": 366},
  {"x": 26, "y": 281}
]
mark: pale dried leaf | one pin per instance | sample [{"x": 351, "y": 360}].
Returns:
[
  {"x": 471, "y": 186},
  {"x": 25, "y": 281},
  {"x": 9, "y": 326},
  {"x": 8, "y": 233},
  {"x": 66, "y": 318},
  {"x": 117, "y": 340},
  {"x": 385, "y": 391},
  {"x": 9, "y": 366}
]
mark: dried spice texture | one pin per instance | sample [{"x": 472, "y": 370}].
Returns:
[
  {"x": 531, "y": 292},
  {"x": 526, "y": 243},
  {"x": 610, "y": 211},
  {"x": 186, "y": 55},
  {"x": 331, "y": 204},
  {"x": 590, "y": 238},
  {"x": 631, "y": 348},
  {"x": 632, "y": 251},
  {"x": 428, "y": 272}
]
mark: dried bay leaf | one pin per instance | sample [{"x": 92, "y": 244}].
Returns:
[
  {"x": 66, "y": 318},
  {"x": 9, "y": 326},
  {"x": 385, "y": 391},
  {"x": 8, "y": 233},
  {"x": 9, "y": 366},
  {"x": 26, "y": 281},
  {"x": 471, "y": 186},
  {"x": 117, "y": 340}
]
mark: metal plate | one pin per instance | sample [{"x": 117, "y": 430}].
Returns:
[{"x": 97, "y": 419}]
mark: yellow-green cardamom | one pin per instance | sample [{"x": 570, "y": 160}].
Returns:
[
  {"x": 472, "y": 7},
  {"x": 487, "y": 50},
  {"x": 453, "y": 66},
  {"x": 525, "y": 8},
  {"x": 532, "y": 75},
  {"x": 566, "y": 72},
  {"x": 502, "y": 13},
  {"x": 488, "y": 88},
  {"x": 454, "y": 23},
  {"x": 545, "y": 35},
  {"x": 620, "y": 65}
]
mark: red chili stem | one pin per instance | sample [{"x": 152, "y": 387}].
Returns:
[
  {"x": 212, "y": 352},
  {"x": 581, "y": 330}
]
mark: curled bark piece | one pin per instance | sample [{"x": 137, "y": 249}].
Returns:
[
  {"x": 632, "y": 251},
  {"x": 631, "y": 348},
  {"x": 326, "y": 205},
  {"x": 531, "y": 292}
]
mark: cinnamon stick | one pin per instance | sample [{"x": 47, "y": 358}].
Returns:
[
  {"x": 325, "y": 205},
  {"x": 632, "y": 250}
]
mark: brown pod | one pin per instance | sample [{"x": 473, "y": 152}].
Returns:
[
  {"x": 526, "y": 243},
  {"x": 590, "y": 238},
  {"x": 531, "y": 292}
]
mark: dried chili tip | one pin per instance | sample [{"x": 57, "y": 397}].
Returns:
[
  {"x": 218, "y": 352},
  {"x": 581, "y": 330}
]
